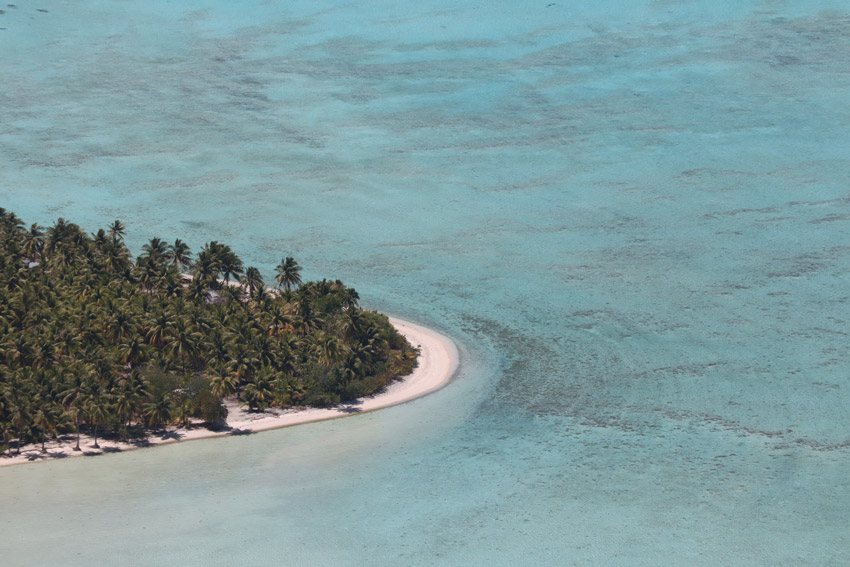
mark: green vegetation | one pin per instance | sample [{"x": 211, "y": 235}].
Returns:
[{"x": 93, "y": 341}]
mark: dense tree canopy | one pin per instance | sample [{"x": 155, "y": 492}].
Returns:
[{"x": 92, "y": 340}]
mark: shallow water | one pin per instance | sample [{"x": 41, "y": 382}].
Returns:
[{"x": 633, "y": 220}]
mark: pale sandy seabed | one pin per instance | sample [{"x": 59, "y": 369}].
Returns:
[{"x": 438, "y": 360}]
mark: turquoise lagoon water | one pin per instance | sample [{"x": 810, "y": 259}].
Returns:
[{"x": 631, "y": 216}]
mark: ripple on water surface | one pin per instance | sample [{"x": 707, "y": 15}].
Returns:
[{"x": 632, "y": 217}]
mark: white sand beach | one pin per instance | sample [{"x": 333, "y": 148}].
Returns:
[{"x": 438, "y": 361}]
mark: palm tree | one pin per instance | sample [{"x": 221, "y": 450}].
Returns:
[
  {"x": 6, "y": 429},
  {"x": 160, "y": 358},
  {"x": 34, "y": 243},
  {"x": 19, "y": 417},
  {"x": 148, "y": 272},
  {"x": 97, "y": 411},
  {"x": 65, "y": 342},
  {"x": 74, "y": 398},
  {"x": 265, "y": 349},
  {"x": 222, "y": 383},
  {"x": 279, "y": 320},
  {"x": 99, "y": 238},
  {"x": 348, "y": 374},
  {"x": 349, "y": 297},
  {"x": 243, "y": 363},
  {"x": 179, "y": 255},
  {"x": 182, "y": 342},
  {"x": 117, "y": 257},
  {"x": 262, "y": 296},
  {"x": 232, "y": 293},
  {"x": 306, "y": 319},
  {"x": 216, "y": 347},
  {"x": 130, "y": 394},
  {"x": 46, "y": 420},
  {"x": 132, "y": 352},
  {"x": 360, "y": 360},
  {"x": 157, "y": 332},
  {"x": 119, "y": 327},
  {"x": 253, "y": 280},
  {"x": 231, "y": 265},
  {"x": 158, "y": 411},
  {"x": 171, "y": 285},
  {"x": 260, "y": 391},
  {"x": 288, "y": 273},
  {"x": 197, "y": 291},
  {"x": 206, "y": 268},
  {"x": 155, "y": 250},
  {"x": 116, "y": 231},
  {"x": 183, "y": 411},
  {"x": 198, "y": 321},
  {"x": 74, "y": 412},
  {"x": 60, "y": 235},
  {"x": 329, "y": 349},
  {"x": 43, "y": 355},
  {"x": 9, "y": 218}
]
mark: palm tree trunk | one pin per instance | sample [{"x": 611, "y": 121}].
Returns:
[
  {"x": 7, "y": 442},
  {"x": 96, "y": 446},
  {"x": 77, "y": 425}
]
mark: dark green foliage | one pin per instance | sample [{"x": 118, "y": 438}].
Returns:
[
  {"x": 208, "y": 408},
  {"x": 92, "y": 341}
]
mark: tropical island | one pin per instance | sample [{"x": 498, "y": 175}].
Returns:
[{"x": 95, "y": 344}]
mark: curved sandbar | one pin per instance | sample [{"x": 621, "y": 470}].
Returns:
[{"x": 438, "y": 361}]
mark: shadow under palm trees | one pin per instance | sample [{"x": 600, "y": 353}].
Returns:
[
  {"x": 235, "y": 431},
  {"x": 44, "y": 456},
  {"x": 170, "y": 435},
  {"x": 350, "y": 407}
]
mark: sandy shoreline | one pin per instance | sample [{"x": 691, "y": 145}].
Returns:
[{"x": 438, "y": 361}]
